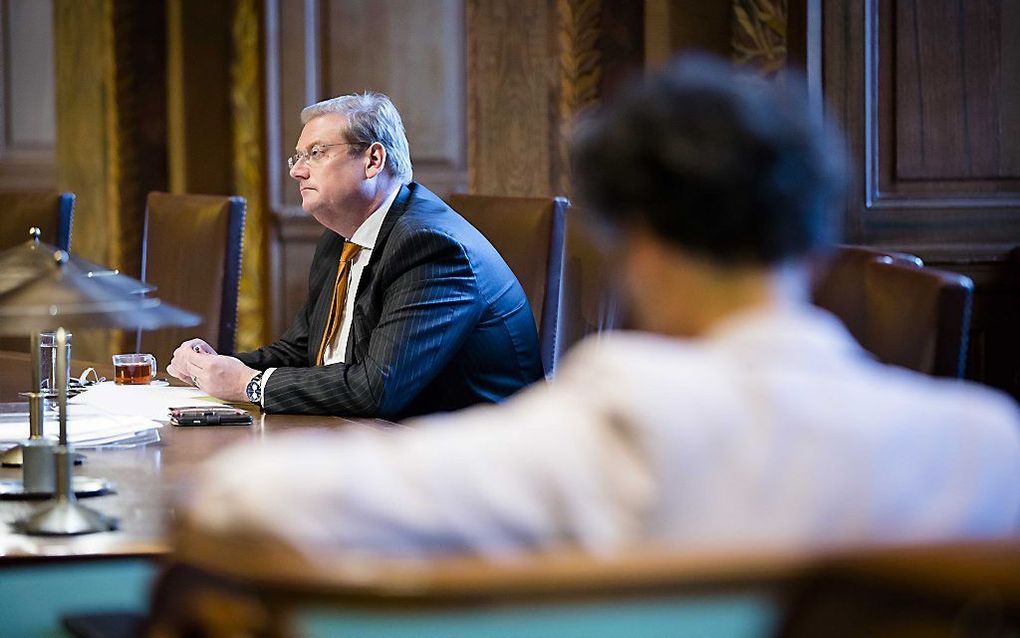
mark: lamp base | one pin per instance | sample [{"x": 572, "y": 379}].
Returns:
[
  {"x": 13, "y": 457},
  {"x": 83, "y": 486},
  {"x": 66, "y": 518}
]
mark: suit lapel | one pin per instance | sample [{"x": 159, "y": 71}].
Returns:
[{"x": 398, "y": 208}]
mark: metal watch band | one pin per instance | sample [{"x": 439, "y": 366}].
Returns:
[{"x": 254, "y": 389}]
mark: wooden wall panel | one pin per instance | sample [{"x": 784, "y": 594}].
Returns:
[
  {"x": 512, "y": 137},
  {"x": 293, "y": 82},
  {"x": 27, "y": 101},
  {"x": 414, "y": 53},
  {"x": 532, "y": 68},
  {"x": 927, "y": 92},
  {"x": 947, "y": 71}
]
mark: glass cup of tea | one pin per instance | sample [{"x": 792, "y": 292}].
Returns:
[{"x": 133, "y": 369}]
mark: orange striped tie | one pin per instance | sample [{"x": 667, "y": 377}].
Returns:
[{"x": 336, "y": 310}]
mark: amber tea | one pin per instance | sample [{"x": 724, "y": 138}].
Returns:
[{"x": 133, "y": 369}]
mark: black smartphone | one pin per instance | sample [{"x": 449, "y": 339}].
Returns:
[{"x": 210, "y": 415}]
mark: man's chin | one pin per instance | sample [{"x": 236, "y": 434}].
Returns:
[{"x": 308, "y": 205}]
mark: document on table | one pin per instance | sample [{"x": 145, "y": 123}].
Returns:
[
  {"x": 86, "y": 426},
  {"x": 106, "y": 414},
  {"x": 145, "y": 401}
]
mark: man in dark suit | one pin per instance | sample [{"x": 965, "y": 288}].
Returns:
[{"x": 410, "y": 310}]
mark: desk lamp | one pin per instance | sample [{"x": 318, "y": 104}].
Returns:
[
  {"x": 62, "y": 298},
  {"x": 28, "y": 260},
  {"x": 18, "y": 265}
]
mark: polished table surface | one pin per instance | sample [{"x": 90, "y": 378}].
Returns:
[{"x": 149, "y": 479}]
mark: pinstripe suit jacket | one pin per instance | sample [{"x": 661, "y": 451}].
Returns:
[{"x": 440, "y": 323}]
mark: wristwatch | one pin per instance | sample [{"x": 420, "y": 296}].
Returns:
[{"x": 254, "y": 389}]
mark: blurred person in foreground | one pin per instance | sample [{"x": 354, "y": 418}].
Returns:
[
  {"x": 410, "y": 310},
  {"x": 741, "y": 416}
]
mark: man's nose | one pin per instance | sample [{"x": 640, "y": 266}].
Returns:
[{"x": 299, "y": 170}]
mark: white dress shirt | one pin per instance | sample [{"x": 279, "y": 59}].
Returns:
[
  {"x": 365, "y": 236},
  {"x": 774, "y": 430}
]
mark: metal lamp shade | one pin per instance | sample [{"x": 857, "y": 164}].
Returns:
[
  {"x": 63, "y": 296},
  {"x": 32, "y": 258}
]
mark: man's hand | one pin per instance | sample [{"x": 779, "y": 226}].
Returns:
[
  {"x": 219, "y": 376},
  {"x": 182, "y": 356}
]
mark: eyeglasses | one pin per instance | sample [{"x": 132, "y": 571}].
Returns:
[{"x": 314, "y": 154}]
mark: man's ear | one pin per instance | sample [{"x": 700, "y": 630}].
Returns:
[{"x": 376, "y": 160}]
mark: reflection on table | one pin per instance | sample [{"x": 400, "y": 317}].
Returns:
[{"x": 150, "y": 479}]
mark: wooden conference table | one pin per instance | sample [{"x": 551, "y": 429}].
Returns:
[{"x": 149, "y": 479}]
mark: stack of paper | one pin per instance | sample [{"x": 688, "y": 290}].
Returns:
[
  {"x": 86, "y": 426},
  {"x": 106, "y": 414},
  {"x": 146, "y": 401}
]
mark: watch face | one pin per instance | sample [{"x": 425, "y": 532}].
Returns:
[{"x": 254, "y": 389}]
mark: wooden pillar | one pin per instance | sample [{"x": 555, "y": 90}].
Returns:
[
  {"x": 198, "y": 96},
  {"x": 110, "y": 107},
  {"x": 216, "y": 128}
]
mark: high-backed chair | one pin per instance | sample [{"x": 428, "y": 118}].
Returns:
[
  {"x": 591, "y": 299},
  {"x": 839, "y": 282},
  {"x": 528, "y": 233},
  {"x": 900, "y": 311},
  {"x": 191, "y": 252},
  {"x": 52, "y": 212},
  {"x": 948, "y": 590}
]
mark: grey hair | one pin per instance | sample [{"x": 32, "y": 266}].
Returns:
[{"x": 371, "y": 118}]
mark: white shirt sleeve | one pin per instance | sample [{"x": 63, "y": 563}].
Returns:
[
  {"x": 265, "y": 379},
  {"x": 542, "y": 469}
]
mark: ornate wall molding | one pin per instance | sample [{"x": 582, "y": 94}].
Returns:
[
  {"x": 248, "y": 117},
  {"x": 760, "y": 34},
  {"x": 580, "y": 72}
]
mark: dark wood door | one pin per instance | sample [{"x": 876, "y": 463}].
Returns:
[{"x": 928, "y": 93}]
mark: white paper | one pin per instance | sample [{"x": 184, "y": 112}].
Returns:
[
  {"x": 144, "y": 401},
  {"x": 85, "y": 425}
]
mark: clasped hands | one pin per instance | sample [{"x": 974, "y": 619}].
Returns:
[{"x": 220, "y": 376}]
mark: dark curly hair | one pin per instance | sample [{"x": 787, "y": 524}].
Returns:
[{"x": 723, "y": 164}]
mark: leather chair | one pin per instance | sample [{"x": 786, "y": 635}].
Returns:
[
  {"x": 191, "y": 252},
  {"x": 528, "y": 233},
  {"x": 52, "y": 212},
  {"x": 591, "y": 299},
  {"x": 839, "y": 282},
  {"x": 902, "y": 312},
  {"x": 949, "y": 590}
]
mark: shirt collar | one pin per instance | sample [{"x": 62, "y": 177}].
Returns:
[
  {"x": 368, "y": 232},
  {"x": 792, "y": 327}
]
